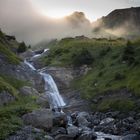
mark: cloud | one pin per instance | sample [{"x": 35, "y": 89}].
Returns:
[{"x": 21, "y": 19}]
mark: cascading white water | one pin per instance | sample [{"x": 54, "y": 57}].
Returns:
[
  {"x": 29, "y": 64},
  {"x": 55, "y": 99}
]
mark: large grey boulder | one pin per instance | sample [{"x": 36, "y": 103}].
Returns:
[
  {"x": 29, "y": 133},
  {"x": 27, "y": 91},
  {"x": 73, "y": 131},
  {"x": 42, "y": 118},
  {"x": 83, "y": 119},
  {"x": 5, "y": 98}
]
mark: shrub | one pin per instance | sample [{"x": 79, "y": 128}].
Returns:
[
  {"x": 129, "y": 53},
  {"x": 82, "y": 57},
  {"x": 21, "y": 48},
  {"x": 104, "y": 51},
  {"x": 119, "y": 76}
]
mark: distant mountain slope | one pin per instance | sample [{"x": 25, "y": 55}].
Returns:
[{"x": 120, "y": 22}]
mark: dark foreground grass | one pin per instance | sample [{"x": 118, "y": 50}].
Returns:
[{"x": 10, "y": 115}]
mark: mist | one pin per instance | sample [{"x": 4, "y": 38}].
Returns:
[
  {"x": 23, "y": 20},
  {"x": 19, "y": 18}
]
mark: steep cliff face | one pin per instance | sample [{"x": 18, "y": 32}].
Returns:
[{"x": 120, "y": 22}]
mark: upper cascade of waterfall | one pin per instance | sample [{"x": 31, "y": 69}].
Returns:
[
  {"x": 29, "y": 64},
  {"x": 39, "y": 54}
]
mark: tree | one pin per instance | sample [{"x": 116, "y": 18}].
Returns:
[
  {"x": 82, "y": 57},
  {"x": 21, "y": 48}
]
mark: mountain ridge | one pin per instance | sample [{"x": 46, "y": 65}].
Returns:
[{"x": 121, "y": 22}]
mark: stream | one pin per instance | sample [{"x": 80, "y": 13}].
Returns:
[{"x": 56, "y": 100}]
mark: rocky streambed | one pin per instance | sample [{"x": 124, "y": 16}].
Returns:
[{"x": 46, "y": 124}]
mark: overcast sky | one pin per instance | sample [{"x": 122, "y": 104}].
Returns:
[
  {"x": 32, "y": 20},
  {"x": 92, "y": 8}
]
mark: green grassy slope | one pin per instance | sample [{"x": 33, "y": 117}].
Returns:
[
  {"x": 115, "y": 65},
  {"x": 10, "y": 114},
  {"x": 8, "y": 54}
]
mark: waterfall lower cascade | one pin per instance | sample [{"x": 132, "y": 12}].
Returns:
[{"x": 55, "y": 99}]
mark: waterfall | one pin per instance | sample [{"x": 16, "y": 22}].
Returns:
[
  {"x": 55, "y": 99},
  {"x": 29, "y": 64}
]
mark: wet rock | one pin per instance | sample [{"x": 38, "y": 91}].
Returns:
[
  {"x": 63, "y": 137},
  {"x": 87, "y": 135},
  {"x": 58, "y": 130},
  {"x": 130, "y": 119},
  {"x": 131, "y": 137},
  {"x": 107, "y": 139},
  {"x": 28, "y": 133},
  {"x": 48, "y": 137},
  {"x": 73, "y": 131},
  {"x": 5, "y": 98},
  {"x": 27, "y": 91},
  {"x": 82, "y": 119},
  {"x": 106, "y": 121},
  {"x": 59, "y": 119},
  {"x": 113, "y": 114},
  {"x": 39, "y": 118}
]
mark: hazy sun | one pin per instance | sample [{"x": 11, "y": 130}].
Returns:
[{"x": 54, "y": 14}]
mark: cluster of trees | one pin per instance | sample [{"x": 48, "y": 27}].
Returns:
[{"x": 22, "y": 47}]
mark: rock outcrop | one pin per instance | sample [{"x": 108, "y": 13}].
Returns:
[{"x": 39, "y": 118}]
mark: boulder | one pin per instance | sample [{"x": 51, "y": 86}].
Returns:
[
  {"x": 57, "y": 131},
  {"x": 73, "y": 131},
  {"x": 47, "y": 137},
  {"x": 63, "y": 137},
  {"x": 89, "y": 135},
  {"x": 82, "y": 119},
  {"x": 59, "y": 119},
  {"x": 5, "y": 98},
  {"x": 106, "y": 121},
  {"x": 28, "y": 133},
  {"x": 27, "y": 91},
  {"x": 42, "y": 118},
  {"x": 131, "y": 137}
]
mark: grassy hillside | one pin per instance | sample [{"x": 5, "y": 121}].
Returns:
[
  {"x": 115, "y": 65},
  {"x": 9, "y": 47},
  {"x": 10, "y": 114},
  {"x": 8, "y": 54}
]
